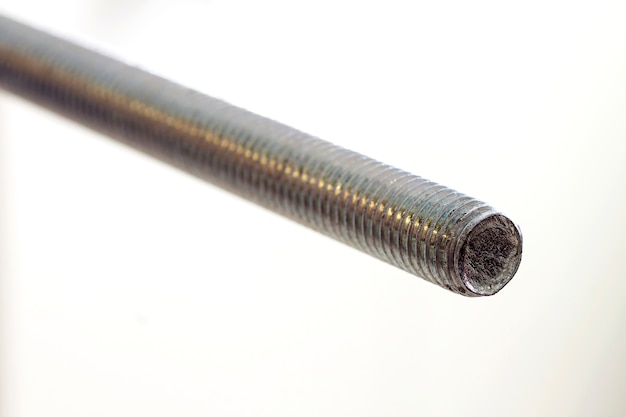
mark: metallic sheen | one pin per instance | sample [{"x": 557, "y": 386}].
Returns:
[{"x": 445, "y": 237}]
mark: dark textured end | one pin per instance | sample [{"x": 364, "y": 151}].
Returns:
[{"x": 490, "y": 255}]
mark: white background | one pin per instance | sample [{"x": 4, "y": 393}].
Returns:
[{"x": 131, "y": 289}]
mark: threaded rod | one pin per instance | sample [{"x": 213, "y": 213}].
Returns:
[{"x": 424, "y": 228}]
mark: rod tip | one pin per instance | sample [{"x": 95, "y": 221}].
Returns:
[{"x": 490, "y": 255}]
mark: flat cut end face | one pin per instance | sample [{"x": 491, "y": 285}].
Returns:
[{"x": 490, "y": 255}]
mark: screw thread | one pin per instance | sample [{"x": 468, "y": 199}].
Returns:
[{"x": 434, "y": 232}]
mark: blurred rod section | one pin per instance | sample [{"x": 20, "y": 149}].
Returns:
[{"x": 429, "y": 230}]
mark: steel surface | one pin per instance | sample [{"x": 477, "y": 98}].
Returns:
[{"x": 443, "y": 236}]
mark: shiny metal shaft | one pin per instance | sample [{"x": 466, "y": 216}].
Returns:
[{"x": 434, "y": 232}]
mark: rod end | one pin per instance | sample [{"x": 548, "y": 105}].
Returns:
[{"x": 490, "y": 255}]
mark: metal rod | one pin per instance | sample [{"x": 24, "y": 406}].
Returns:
[{"x": 434, "y": 232}]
